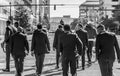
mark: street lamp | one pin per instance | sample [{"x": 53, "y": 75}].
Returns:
[
  {"x": 10, "y": 9},
  {"x": 10, "y": 17}
]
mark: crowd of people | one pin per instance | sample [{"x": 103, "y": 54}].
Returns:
[{"x": 70, "y": 46}]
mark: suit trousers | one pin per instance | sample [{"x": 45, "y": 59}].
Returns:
[
  {"x": 39, "y": 62},
  {"x": 57, "y": 57},
  {"x": 89, "y": 51},
  {"x": 83, "y": 58},
  {"x": 7, "y": 56},
  {"x": 106, "y": 67},
  {"x": 66, "y": 62},
  {"x": 19, "y": 62}
]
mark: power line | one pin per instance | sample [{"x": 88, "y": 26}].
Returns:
[{"x": 41, "y": 5}]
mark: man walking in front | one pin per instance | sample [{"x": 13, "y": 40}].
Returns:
[
  {"x": 106, "y": 46},
  {"x": 58, "y": 32},
  {"x": 40, "y": 46},
  {"x": 71, "y": 47},
  {"x": 18, "y": 45},
  {"x": 8, "y": 33},
  {"x": 82, "y": 34}
]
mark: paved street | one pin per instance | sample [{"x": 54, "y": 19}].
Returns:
[{"x": 49, "y": 66}]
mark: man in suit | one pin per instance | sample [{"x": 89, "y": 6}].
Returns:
[
  {"x": 71, "y": 47},
  {"x": 91, "y": 37},
  {"x": 40, "y": 46},
  {"x": 82, "y": 34},
  {"x": 16, "y": 24},
  {"x": 106, "y": 46},
  {"x": 58, "y": 32},
  {"x": 18, "y": 46},
  {"x": 8, "y": 33}
]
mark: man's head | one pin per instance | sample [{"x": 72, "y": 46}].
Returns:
[
  {"x": 66, "y": 28},
  {"x": 39, "y": 26},
  {"x": 60, "y": 27},
  {"x": 8, "y": 23},
  {"x": 16, "y": 24},
  {"x": 100, "y": 28},
  {"x": 80, "y": 26}
]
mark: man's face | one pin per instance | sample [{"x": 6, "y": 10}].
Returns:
[
  {"x": 7, "y": 24},
  {"x": 16, "y": 25}
]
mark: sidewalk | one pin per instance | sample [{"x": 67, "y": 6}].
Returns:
[{"x": 49, "y": 68}]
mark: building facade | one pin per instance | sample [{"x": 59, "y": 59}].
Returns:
[
  {"x": 106, "y": 7},
  {"x": 55, "y": 21},
  {"x": 89, "y": 10},
  {"x": 5, "y": 12}
]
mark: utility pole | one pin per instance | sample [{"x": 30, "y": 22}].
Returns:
[
  {"x": 39, "y": 14},
  {"x": 10, "y": 9},
  {"x": 10, "y": 17}
]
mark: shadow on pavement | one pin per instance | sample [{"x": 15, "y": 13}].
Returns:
[
  {"x": 118, "y": 68},
  {"x": 51, "y": 72},
  {"x": 45, "y": 64},
  {"x": 31, "y": 68},
  {"x": 11, "y": 72}
]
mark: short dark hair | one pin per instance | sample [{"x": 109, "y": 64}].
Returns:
[
  {"x": 101, "y": 26},
  {"x": 8, "y": 22},
  {"x": 39, "y": 26},
  {"x": 66, "y": 27},
  {"x": 80, "y": 25},
  {"x": 16, "y": 23},
  {"x": 60, "y": 26}
]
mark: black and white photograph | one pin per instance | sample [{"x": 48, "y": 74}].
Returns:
[{"x": 59, "y": 37}]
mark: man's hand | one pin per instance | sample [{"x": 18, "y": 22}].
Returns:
[
  {"x": 2, "y": 46},
  {"x": 32, "y": 53}
]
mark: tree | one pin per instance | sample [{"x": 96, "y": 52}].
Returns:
[{"x": 22, "y": 16}]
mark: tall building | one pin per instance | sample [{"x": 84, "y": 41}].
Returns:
[
  {"x": 106, "y": 7},
  {"x": 47, "y": 8},
  {"x": 46, "y": 18},
  {"x": 89, "y": 10}
]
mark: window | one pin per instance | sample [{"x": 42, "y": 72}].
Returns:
[{"x": 114, "y": 0}]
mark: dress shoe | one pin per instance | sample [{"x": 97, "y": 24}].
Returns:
[{"x": 6, "y": 70}]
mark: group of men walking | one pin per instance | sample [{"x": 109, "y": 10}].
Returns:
[
  {"x": 68, "y": 45},
  {"x": 74, "y": 45},
  {"x": 17, "y": 45}
]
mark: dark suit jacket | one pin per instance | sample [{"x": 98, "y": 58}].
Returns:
[
  {"x": 40, "y": 43},
  {"x": 106, "y": 45},
  {"x": 70, "y": 45},
  {"x": 91, "y": 32},
  {"x": 82, "y": 34},
  {"x": 58, "y": 32},
  {"x": 8, "y": 33},
  {"x": 19, "y": 44}
]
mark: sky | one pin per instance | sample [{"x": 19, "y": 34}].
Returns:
[{"x": 71, "y": 7}]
